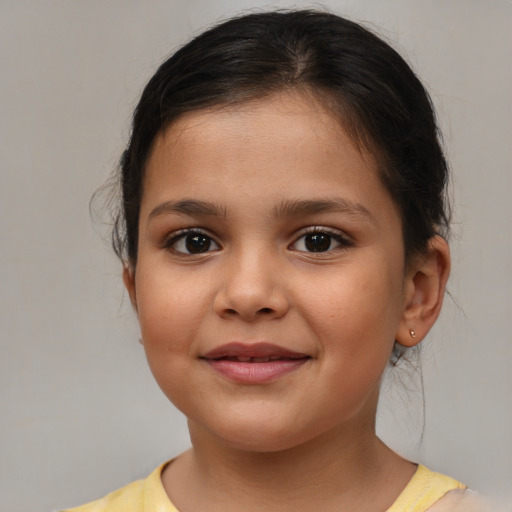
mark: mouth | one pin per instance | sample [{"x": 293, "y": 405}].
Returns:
[
  {"x": 254, "y": 363},
  {"x": 252, "y": 352},
  {"x": 258, "y": 359}
]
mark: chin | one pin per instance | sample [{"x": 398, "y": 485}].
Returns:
[
  {"x": 262, "y": 443},
  {"x": 254, "y": 435}
]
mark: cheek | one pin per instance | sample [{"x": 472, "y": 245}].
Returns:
[
  {"x": 354, "y": 311},
  {"x": 168, "y": 313},
  {"x": 170, "y": 307}
]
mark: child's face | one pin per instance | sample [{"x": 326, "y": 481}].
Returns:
[{"x": 296, "y": 245}]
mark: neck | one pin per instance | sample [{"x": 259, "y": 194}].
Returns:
[{"x": 336, "y": 471}]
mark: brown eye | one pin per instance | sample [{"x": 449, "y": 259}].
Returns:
[
  {"x": 193, "y": 243},
  {"x": 317, "y": 242},
  {"x": 320, "y": 241},
  {"x": 197, "y": 243}
]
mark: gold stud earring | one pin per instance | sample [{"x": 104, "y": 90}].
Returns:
[{"x": 412, "y": 333}]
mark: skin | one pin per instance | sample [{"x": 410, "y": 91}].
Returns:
[{"x": 344, "y": 307}]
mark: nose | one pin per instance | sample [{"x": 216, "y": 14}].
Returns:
[{"x": 252, "y": 287}]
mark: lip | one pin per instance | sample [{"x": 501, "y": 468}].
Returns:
[
  {"x": 238, "y": 349},
  {"x": 254, "y": 363}
]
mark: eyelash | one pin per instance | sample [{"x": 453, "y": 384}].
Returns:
[{"x": 342, "y": 240}]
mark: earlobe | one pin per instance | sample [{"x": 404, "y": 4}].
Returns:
[
  {"x": 129, "y": 283},
  {"x": 424, "y": 292}
]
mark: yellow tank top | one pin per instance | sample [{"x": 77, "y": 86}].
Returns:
[{"x": 148, "y": 495}]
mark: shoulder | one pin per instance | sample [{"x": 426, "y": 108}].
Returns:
[
  {"x": 462, "y": 501},
  {"x": 127, "y": 499},
  {"x": 145, "y": 495},
  {"x": 429, "y": 491},
  {"x": 424, "y": 490}
]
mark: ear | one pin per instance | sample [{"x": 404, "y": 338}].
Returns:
[
  {"x": 129, "y": 283},
  {"x": 424, "y": 292}
]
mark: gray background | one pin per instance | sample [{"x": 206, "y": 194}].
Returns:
[{"x": 80, "y": 413}]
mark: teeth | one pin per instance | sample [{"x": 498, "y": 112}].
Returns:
[
  {"x": 261, "y": 359},
  {"x": 264, "y": 359}
]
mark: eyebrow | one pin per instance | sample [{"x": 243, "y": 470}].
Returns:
[
  {"x": 293, "y": 208},
  {"x": 188, "y": 207},
  {"x": 287, "y": 208}
]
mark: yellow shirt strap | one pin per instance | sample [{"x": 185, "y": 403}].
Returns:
[
  {"x": 424, "y": 489},
  {"x": 155, "y": 498},
  {"x": 147, "y": 495}
]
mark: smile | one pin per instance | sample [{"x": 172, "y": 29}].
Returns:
[
  {"x": 262, "y": 359},
  {"x": 254, "y": 363}
]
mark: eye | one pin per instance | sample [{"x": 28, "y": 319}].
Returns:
[
  {"x": 320, "y": 240},
  {"x": 192, "y": 242}
]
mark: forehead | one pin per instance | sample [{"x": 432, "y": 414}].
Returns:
[{"x": 286, "y": 144}]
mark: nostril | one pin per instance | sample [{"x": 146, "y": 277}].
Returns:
[{"x": 266, "y": 310}]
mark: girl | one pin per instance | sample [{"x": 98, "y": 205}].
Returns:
[{"x": 283, "y": 234}]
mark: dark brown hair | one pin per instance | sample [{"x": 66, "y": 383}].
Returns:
[{"x": 354, "y": 73}]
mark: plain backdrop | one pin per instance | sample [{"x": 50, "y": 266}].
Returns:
[{"x": 79, "y": 412}]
